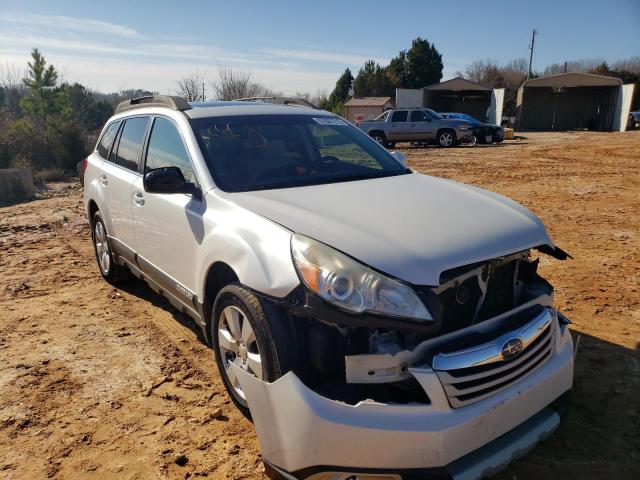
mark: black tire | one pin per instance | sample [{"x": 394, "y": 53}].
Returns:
[
  {"x": 447, "y": 138},
  {"x": 113, "y": 273},
  {"x": 273, "y": 364},
  {"x": 391, "y": 144},
  {"x": 381, "y": 139}
]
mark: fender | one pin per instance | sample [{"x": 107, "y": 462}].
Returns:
[{"x": 257, "y": 249}]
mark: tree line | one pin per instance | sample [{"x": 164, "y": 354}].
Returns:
[
  {"x": 48, "y": 125},
  {"x": 421, "y": 65},
  {"x": 417, "y": 67}
]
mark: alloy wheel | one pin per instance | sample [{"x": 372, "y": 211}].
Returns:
[
  {"x": 102, "y": 248},
  {"x": 446, "y": 139},
  {"x": 237, "y": 344}
]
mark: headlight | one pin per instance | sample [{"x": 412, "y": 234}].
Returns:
[{"x": 349, "y": 284}]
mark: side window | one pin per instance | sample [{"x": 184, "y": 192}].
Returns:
[
  {"x": 418, "y": 116},
  {"x": 107, "y": 140},
  {"x": 399, "y": 116},
  {"x": 130, "y": 144},
  {"x": 167, "y": 150}
]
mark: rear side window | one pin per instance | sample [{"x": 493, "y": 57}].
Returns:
[
  {"x": 399, "y": 116},
  {"x": 167, "y": 150},
  {"x": 107, "y": 140},
  {"x": 130, "y": 144}
]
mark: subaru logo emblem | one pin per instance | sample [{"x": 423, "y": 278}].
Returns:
[{"x": 511, "y": 348}]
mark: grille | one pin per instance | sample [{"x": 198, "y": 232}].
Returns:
[{"x": 464, "y": 386}]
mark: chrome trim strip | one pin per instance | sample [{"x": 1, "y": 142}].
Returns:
[
  {"x": 456, "y": 403},
  {"x": 452, "y": 390},
  {"x": 446, "y": 377},
  {"x": 491, "y": 352}
]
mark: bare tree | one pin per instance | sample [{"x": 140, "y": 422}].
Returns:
[
  {"x": 191, "y": 88},
  {"x": 630, "y": 65},
  {"x": 233, "y": 84},
  {"x": 12, "y": 85},
  {"x": 489, "y": 72}
]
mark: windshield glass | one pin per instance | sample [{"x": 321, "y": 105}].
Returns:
[
  {"x": 259, "y": 152},
  {"x": 382, "y": 116},
  {"x": 435, "y": 115}
]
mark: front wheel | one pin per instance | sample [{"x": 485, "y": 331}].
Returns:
[
  {"x": 446, "y": 138},
  {"x": 241, "y": 335}
]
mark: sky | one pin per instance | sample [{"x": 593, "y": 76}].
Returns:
[{"x": 299, "y": 46}]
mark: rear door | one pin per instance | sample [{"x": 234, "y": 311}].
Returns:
[
  {"x": 117, "y": 177},
  {"x": 169, "y": 227},
  {"x": 399, "y": 126}
]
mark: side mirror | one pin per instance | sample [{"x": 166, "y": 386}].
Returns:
[
  {"x": 167, "y": 180},
  {"x": 399, "y": 156}
]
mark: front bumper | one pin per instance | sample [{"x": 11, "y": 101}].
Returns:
[
  {"x": 305, "y": 435},
  {"x": 464, "y": 136}
]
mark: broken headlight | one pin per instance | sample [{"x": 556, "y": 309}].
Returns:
[{"x": 348, "y": 284}]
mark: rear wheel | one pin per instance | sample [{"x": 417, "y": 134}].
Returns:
[
  {"x": 110, "y": 270},
  {"x": 447, "y": 138},
  {"x": 381, "y": 139},
  {"x": 241, "y": 335}
]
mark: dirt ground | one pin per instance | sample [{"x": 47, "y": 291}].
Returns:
[{"x": 102, "y": 383}]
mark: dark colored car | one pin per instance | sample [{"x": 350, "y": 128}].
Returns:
[
  {"x": 484, "y": 132},
  {"x": 634, "y": 120}
]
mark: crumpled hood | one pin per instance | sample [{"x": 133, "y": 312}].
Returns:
[{"x": 413, "y": 227}]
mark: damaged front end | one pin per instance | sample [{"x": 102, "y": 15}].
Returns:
[
  {"x": 378, "y": 391},
  {"x": 356, "y": 357}
]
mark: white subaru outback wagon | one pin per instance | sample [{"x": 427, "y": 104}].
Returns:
[{"x": 375, "y": 322}]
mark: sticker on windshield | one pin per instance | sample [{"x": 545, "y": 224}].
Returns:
[{"x": 329, "y": 121}]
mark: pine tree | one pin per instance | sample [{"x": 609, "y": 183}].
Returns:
[
  {"x": 417, "y": 67},
  {"x": 340, "y": 94}
]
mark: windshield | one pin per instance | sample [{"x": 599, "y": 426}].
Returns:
[
  {"x": 382, "y": 116},
  {"x": 259, "y": 152},
  {"x": 434, "y": 114}
]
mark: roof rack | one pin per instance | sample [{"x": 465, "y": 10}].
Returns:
[
  {"x": 294, "y": 101},
  {"x": 167, "y": 101}
]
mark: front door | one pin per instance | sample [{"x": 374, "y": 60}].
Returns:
[
  {"x": 421, "y": 126},
  {"x": 169, "y": 227}
]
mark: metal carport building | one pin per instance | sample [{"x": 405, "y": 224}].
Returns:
[
  {"x": 455, "y": 95},
  {"x": 568, "y": 101}
]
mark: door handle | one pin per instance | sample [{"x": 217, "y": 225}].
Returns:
[
  {"x": 138, "y": 198},
  {"x": 103, "y": 180}
]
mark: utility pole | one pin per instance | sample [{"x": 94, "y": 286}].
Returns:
[
  {"x": 533, "y": 41},
  {"x": 565, "y": 66},
  {"x": 203, "y": 98}
]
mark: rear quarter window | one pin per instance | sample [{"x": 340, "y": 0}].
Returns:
[{"x": 104, "y": 146}]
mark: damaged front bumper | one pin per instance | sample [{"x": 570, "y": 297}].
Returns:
[{"x": 305, "y": 435}]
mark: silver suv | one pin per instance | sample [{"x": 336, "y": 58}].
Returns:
[
  {"x": 373, "y": 320},
  {"x": 421, "y": 125}
]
